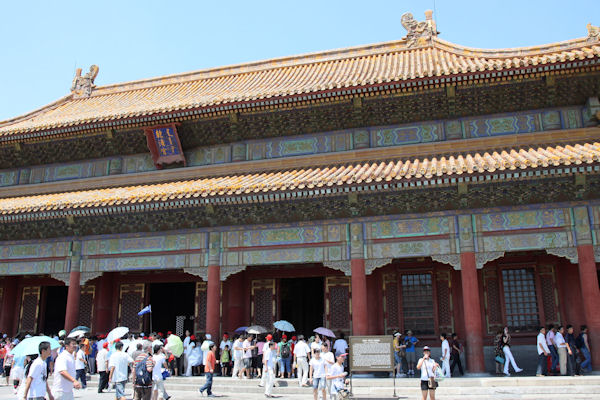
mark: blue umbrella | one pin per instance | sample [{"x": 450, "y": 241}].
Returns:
[
  {"x": 31, "y": 346},
  {"x": 241, "y": 329},
  {"x": 284, "y": 326},
  {"x": 324, "y": 332}
]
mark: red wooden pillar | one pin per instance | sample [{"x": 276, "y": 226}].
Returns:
[
  {"x": 72, "y": 313},
  {"x": 104, "y": 303},
  {"x": 213, "y": 301},
  {"x": 472, "y": 312},
  {"x": 359, "y": 297},
  {"x": 588, "y": 277},
  {"x": 9, "y": 305}
]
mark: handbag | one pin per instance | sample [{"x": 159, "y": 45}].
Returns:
[
  {"x": 499, "y": 359},
  {"x": 431, "y": 383}
]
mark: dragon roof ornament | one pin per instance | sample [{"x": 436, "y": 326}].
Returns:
[
  {"x": 82, "y": 85},
  {"x": 593, "y": 33},
  {"x": 418, "y": 33}
]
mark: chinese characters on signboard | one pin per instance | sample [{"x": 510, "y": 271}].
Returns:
[{"x": 164, "y": 145}]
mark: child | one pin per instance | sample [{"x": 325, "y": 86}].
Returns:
[{"x": 225, "y": 360}]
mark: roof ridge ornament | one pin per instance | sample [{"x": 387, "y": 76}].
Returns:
[
  {"x": 418, "y": 33},
  {"x": 82, "y": 85},
  {"x": 593, "y": 33}
]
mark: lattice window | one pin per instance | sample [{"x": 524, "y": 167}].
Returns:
[
  {"x": 263, "y": 303},
  {"x": 417, "y": 303},
  {"x": 200, "y": 317},
  {"x": 520, "y": 299},
  {"x": 86, "y": 305},
  {"x": 339, "y": 298},
  {"x": 549, "y": 295},
  {"x": 132, "y": 297},
  {"x": 30, "y": 306},
  {"x": 444, "y": 302},
  {"x": 392, "y": 313}
]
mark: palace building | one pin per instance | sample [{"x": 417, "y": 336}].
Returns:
[{"x": 413, "y": 184}]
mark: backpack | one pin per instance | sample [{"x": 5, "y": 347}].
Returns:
[
  {"x": 285, "y": 351},
  {"x": 142, "y": 376},
  {"x": 579, "y": 342}
]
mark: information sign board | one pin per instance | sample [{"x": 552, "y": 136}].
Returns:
[{"x": 371, "y": 353}]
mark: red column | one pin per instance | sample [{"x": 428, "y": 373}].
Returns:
[
  {"x": 588, "y": 277},
  {"x": 104, "y": 304},
  {"x": 9, "y": 306},
  {"x": 359, "y": 297},
  {"x": 73, "y": 295},
  {"x": 213, "y": 301},
  {"x": 472, "y": 313}
]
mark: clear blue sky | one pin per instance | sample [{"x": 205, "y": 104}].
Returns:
[{"x": 41, "y": 42}]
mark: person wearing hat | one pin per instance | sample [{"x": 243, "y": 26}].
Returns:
[
  {"x": 284, "y": 357},
  {"x": 336, "y": 375},
  {"x": 428, "y": 368},
  {"x": 265, "y": 359},
  {"x": 399, "y": 353}
]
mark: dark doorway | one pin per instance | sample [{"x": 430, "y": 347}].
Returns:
[
  {"x": 55, "y": 309},
  {"x": 172, "y": 300},
  {"x": 303, "y": 303}
]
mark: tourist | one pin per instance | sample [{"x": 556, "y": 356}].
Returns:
[
  {"x": 92, "y": 356},
  {"x": 64, "y": 372},
  {"x": 456, "y": 349},
  {"x": 102, "y": 366},
  {"x": 184, "y": 357},
  {"x": 247, "y": 357},
  {"x": 8, "y": 362},
  {"x": 284, "y": 357},
  {"x": 80, "y": 364},
  {"x": 257, "y": 361},
  {"x": 266, "y": 355},
  {"x": 584, "y": 347},
  {"x": 573, "y": 356},
  {"x": 399, "y": 353},
  {"x": 269, "y": 361},
  {"x": 143, "y": 368},
  {"x": 225, "y": 342},
  {"x": 317, "y": 374},
  {"x": 187, "y": 351},
  {"x": 543, "y": 352},
  {"x": 336, "y": 375},
  {"x": 329, "y": 358},
  {"x": 340, "y": 346},
  {"x": 315, "y": 344},
  {"x": 158, "y": 380},
  {"x": 508, "y": 356},
  {"x": 196, "y": 359},
  {"x": 226, "y": 360},
  {"x": 301, "y": 352},
  {"x": 428, "y": 369},
  {"x": 36, "y": 384},
  {"x": 238, "y": 352},
  {"x": 410, "y": 342},
  {"x": 498, "y": 353},
  {"x": 209, "y": 370},
  {"x": 117, "y": 365},
  {"x": 550, "y": 334},
  {"x": 445, "y": 355},
  {"x": 138, "y": 350},
  {"x": 563, "y": 349}
]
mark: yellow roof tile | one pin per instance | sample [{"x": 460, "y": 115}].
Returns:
[{"x": 277, "y": 181}]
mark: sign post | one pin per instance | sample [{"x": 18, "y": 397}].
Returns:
[{"x": 371, "y": 354}]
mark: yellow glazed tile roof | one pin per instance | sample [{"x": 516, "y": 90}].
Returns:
[
  {"x": 379, "y": 64},
  {"x": 278, "y": 182}
]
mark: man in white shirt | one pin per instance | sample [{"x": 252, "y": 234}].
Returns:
[
  {"x": 247, "y": 356},
  {"x": 561, "y": 345},
  {"x": 36, "y": 385},
  {"x": 117, "y": 364},
  {"x": 301, "y": 354},
  {"x": 269, "y": 361},
  {"x": 543, "y": 352},
  {"x": 102, "y": 366},
  {"x": 80, "y": 363},
  {"x": 64, "y": 372},
  {"x": 237, "y": 357},
  {"x": 317, "y": 374},
  {"x": 329, "y": 361},
  {"x": 336, "y": 375},
  {"x": 265, "y": 356},
  {"x": 158, "y": 382},
  {"x": 445, "y": 355}
]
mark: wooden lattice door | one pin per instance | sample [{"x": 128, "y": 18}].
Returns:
[
  {"x": 200, "y": 310},
  {"x": 492, "y": 299},
  {"x": 337, "y": 303},
  {"x": 443, "y": 288},
  {"x": 86, "y": 306},
  {"x": 131, "y": 301},
  {"x": 391, "y": 303},
  {"x": 263, "y": 306},
  {"x": 30, "y": 309}
]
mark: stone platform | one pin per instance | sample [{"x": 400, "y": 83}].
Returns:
[{"x": 587, "y": 387}]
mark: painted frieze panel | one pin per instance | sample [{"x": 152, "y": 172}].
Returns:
[
  {"x": 200, "y": 310},
  {"x": 402, "y": 135},
  {"x": 33, "y": 267},
  {"x": 527, "y": 219},
  {"x": 9, "y": 177},
  {"x": 143, "y": 244},
  {"x": 409, "y": 227},
  {"x": 137, "y": 163},
  {"x": 526, "y": 241},
  {"x": 30, "y": 308},
  {"x": 571, "y": 118},
  {"x": 22, "y": 250},
  {"x": 209, "y": 155},
  {"x": 337, "y": 303},
  {"x": 137, "y": 263},
  {"x": 595, "y": 223},
  {"x": 501, "y": 125},
  {"x": 131, "y": 300},
  {"x": 422, "y": 248}
]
